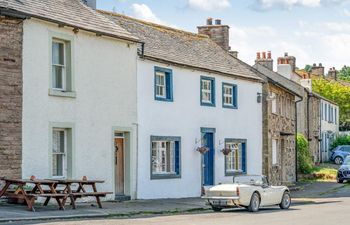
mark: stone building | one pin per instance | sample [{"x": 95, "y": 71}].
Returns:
[
  {"x": 280, "y": 96},
  {"x": 11, "y": 34}
]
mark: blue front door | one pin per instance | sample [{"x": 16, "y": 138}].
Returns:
[{"x": 208, "y": 159}]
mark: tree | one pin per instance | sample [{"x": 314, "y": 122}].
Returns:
[
  {"x": 337, "y": 93},
  {"x": 344, "y": 73}
]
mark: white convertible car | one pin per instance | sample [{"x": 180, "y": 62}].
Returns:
[{"x": 250, "y": 192}]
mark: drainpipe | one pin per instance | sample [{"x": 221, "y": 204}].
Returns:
[{"x": 296, "y": 140}]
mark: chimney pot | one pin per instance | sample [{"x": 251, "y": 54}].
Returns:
[
  {"x": 269, "y": 55},
  {"x": 217, "y": 22},
  {"x": 286, "y": 54},
  {"x": 264, "y": 55},
  {"x": 314, "y": 64},
  {"x": 320, "y": 64},
  {"x": 258, "y": 55},
  {"x": 210, "y": 21}
]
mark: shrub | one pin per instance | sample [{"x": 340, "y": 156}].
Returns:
[
  {"x": 305, "y": 165},
  {"x": 340, "y": 140}
]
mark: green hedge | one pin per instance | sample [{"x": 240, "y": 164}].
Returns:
[
  {"x": 340, "y": 140},
  {"x": 305, "y": 165}
]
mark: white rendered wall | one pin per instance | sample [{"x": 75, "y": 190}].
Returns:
[
  {"x": 105, "y": 85},
  {"x": 184, "y": 117}
]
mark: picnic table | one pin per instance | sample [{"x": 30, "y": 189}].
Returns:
[
  {"x": 80, "y": 191},
  {"x": 18, "y": 189}
]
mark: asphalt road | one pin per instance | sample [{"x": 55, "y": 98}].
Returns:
[{"x": 323, "y": 211}]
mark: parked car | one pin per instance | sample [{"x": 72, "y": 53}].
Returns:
[
  {"x": 344, "y": 171},
  {"x": 250, "y": 192},
  {"x": 340, "y": 153}
]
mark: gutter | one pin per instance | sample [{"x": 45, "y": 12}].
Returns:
[
  {"x": 296, "y": 139},
  {"x": 12, "y": 13}
]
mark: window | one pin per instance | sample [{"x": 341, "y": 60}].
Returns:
[
  {"x": 273, "y": 103},
  {"x": 165, "y": 162},
  {"x": 59, "y": 153},
  {"x": 61, "y": 81},
  {"x": 207, "y": 91},
  {"x": 58, "y": 65},
  {"x": 335, "y": 115},
  {"x": 321, "y": 110},
  {"x": 274, "y": 151},
  {"x": 163, "y": 84},
  {"x": 235, "y": 161},
  {"x": 229, "y": 95}
]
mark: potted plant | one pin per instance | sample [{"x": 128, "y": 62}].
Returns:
[
  {"x": 202, "y": 149},
  {"x": 226, "y": 151}
]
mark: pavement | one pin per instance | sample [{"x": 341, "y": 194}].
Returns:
[{"x": 303, "y": 194}]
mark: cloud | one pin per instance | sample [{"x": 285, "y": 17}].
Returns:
[
  {"x": 346, "y": 12},
  {"x": 143, "y": 12},
  {"x": 289, "y": 4},
  {"x": 209, "y": 5}
]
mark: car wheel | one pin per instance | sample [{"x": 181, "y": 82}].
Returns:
[
  {"x": 216, "y": 209},
  {"x": 254, "y": 203},
  {"x": 286, "y": 201},
  {"x": 338, "y": 160},
  {"x": 339, "y": 181}
]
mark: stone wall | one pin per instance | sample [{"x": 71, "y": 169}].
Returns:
[
  {"x": 314, "y": 128},
  {"x": 11, "y": 34},
  {"x": 279, "y": 126}
]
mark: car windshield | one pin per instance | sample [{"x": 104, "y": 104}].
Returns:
[
  {"x": 346, "y": 162},
  {"x": 246, "y": 179}
]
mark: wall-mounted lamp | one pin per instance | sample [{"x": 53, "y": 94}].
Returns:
[{"x": 259, "y": 97}]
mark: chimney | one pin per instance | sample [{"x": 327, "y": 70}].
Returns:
[
  {"x": 286, "y": 59},
  {"x": 317, "y": 70},
  {"x": 218, "y": 33},
  {"x": 332, "y": 74},
  {"x": 90, "y": 3},
  {"x": 286, "y": 66},
  {"x": 264, "y": 61}
]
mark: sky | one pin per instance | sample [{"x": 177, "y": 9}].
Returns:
[{"x": 314, "y": 31}]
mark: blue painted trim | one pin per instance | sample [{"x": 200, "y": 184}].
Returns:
[
  {"x": 244, "y": 156},
  {"x": 168, "y": 83},
  {"x": 208, "y": 130},
  {"x": 234, "y": 96},
  {"x": 212, "y": 79},
  {"x": 177, "y": 158}
]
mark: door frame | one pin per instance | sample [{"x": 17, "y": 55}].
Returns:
[
  {"x": 212, "y": 131},
  {"x": 129, "y": 155}
]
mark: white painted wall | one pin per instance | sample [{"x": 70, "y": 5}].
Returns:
[
  {"x": 105, "y": 85},
  {"x": 184, "y": 117},
  {"x": 328, "y": 129}
]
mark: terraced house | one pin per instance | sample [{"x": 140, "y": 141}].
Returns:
[
  {"x": 199, "y": 111},
  {"x": 68, "y": 93}
]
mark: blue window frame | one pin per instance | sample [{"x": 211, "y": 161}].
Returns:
[
  {"x": 235, "y": 161},
  {"x": 163, "y": 84},
  {"x": 207, "y": 91},
  {"x": 229, "y": 95},
  {"x": 165, "y": 157}
]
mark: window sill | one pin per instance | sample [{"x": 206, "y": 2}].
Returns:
[
  {"x": 163, "y": 99},
  {"x": 207, "y": 104},
  {"x": 234, "y": 173},
  {"x": 67, "y": 94},
  {"x": 165, "y": 176},
  {"x": 229, "y": 107}
]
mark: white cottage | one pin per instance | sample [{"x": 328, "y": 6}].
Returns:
[
  {"x": 192, "y": 95},
  {"x": 78, "y": 103},
  {"x": 329, "y": 113}
]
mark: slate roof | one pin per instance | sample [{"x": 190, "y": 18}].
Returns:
[
  {"x": 281, "y": 80},
  {"x": 183, "y": 48},
  {"x": 73, "y": 13}
]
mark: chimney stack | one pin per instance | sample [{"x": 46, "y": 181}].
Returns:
[
  {"x": 218, "y": 33},
  {"x": 332, "y": 74},
  {"x": 90, "y": 3},
  {"x": 264, "y": 61},
  {"x": 291, "y": 60},
  {"x": 317, "y": 70}
]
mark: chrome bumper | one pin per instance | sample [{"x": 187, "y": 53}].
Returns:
[{"x": 221, "y": 198}]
